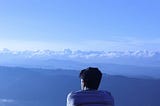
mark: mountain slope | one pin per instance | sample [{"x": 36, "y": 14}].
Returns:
[{"x": 41, "y": 87}]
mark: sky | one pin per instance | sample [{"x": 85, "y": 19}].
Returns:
[{"x": 80, "y": 24}]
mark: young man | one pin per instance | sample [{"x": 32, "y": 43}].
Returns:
[{"x": 89, "y": 95}]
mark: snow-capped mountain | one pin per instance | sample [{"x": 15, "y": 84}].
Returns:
[
  {"x": 151, "y": 58},
  {"x": 81, "y": 54},
  {"x": 141, "y": 63}
]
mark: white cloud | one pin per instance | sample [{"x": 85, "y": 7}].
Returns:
[{"x": 80, "y": 54}]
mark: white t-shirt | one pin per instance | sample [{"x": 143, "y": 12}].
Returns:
[{"x": 90, "y": 98}]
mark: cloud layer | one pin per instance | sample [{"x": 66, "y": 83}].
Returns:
[{"x": 81, "y": 54}]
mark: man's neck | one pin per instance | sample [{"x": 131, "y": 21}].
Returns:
[{"x": 89, "y": 89}]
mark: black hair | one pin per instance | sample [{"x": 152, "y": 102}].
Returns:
[{"x": 92, "y": 77}]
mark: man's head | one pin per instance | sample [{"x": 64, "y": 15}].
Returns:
[{"x": 90, "y": 78}]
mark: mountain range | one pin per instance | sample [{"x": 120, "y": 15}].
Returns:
[
  {"x": 126, "y": 63},
  {"x": 49, "y": 87}
]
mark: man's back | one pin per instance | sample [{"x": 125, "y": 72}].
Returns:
[{"x": 90, "y": 98}]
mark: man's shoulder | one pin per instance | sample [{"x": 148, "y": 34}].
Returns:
[
  {"x": 81, "y": 93},
  {"x": 89, "y": 96},
  {"x": 74, "y": 93}
]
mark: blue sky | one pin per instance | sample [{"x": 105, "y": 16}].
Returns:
[{"x": 80, "y": 24}]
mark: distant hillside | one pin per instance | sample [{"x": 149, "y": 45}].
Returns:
[
  {"x": 125, "y": 63},
  {"x": 42, "y": 87}
]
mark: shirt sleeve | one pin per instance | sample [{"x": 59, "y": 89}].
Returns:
[{"x": 69, "y": 100}]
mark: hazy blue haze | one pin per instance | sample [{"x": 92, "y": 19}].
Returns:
[
  {"x": 120, "y": 37},
  {"x": 41, "y": 87}
]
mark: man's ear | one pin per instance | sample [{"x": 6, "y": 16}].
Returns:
[{"x": 84, "y": 84}]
